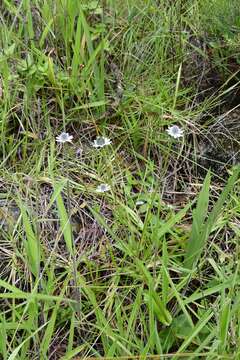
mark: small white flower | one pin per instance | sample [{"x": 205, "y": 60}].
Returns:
[
  {"x": 101, "y": 141},
  {"x": 64, "y": 137},
  {"x": 140, "y": 202},
  {"x": 103, "y": 188},
  {"x": 175, "y": 131}
]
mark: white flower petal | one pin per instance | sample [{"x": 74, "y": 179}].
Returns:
[
  {"x": 64, "y": 137},
  {"x": 103, "y": 188},
  {"x": 101, "y": 141},
  {"x": 175, "y": 131}
]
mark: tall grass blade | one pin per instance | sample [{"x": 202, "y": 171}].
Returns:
[
  {"x": 224, "y": 323},
  {"x": 63, "y": 217},
  {"x": 196, "y": 241},
  {"x": 15, "y": 352},
  {"x": 160, "y": 309},
  {"x": 31, "y": 243},
  {"x": 201, "y": 229}
]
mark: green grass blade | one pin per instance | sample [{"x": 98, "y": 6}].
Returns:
[
  {"x": 160, "y": 310},
  {"x": 15, "y": 352},
  {"x": 31, "y": 243},
  {"x": 196, "y": 330},
  {"x": 63, "y": 217},
  {"x": 222, "y": 198},
  {"x": 3, "y": 337},
  {"x": 196, "y": 241},
  {"x": 167, "y": 226},
  {"x": 47, "y": 338},
  {"x": 224, "y": 323},
  {"x": 201, "y": 229}
]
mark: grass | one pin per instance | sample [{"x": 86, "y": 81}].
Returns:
[{"x": 150, "y": 268}]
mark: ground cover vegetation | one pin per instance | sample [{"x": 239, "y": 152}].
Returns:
[{"x": 119, "y": 179}]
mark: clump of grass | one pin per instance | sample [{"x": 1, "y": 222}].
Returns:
[{"x": 145, "y": 265}]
